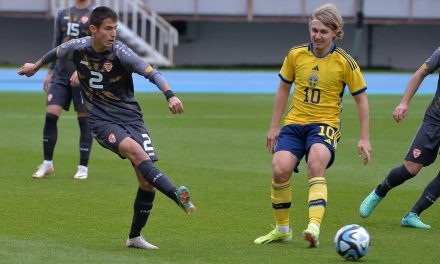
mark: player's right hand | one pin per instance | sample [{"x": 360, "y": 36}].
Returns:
[
  {"x": 271, "y": 139},
  {"x": 399, "y": 112},
  {"x": 47, "y": 80},
  {"x": 74, "y": 81},
  {"x": 28, "y": 69}
]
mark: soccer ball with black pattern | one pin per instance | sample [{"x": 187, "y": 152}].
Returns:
[{"x": 352, "y": 242}]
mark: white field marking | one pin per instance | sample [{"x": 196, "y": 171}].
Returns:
[
  {"x": 209, "y": 116},
  {"x": 32, "y": 116},
  {"x": 169, "y": 116}
]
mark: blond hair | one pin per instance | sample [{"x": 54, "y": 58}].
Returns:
[{"x": 329, "y": 15}]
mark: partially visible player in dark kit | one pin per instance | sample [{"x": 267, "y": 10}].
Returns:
[
  {"x": 61, "y": 87},
  {"x": 422, "y": 152}
]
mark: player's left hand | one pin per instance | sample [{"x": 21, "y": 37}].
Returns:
[
  {"x": 364, "y": 149},
  {"x": 74, "y": 81},
  {"x": 175, "y": 105},
  {"x": 28, "y": 69}
]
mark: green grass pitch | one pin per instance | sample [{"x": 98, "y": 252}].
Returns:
[{"x": 217, "y": 148}]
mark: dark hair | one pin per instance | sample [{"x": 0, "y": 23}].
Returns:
[{"x": 100, "y": 13}]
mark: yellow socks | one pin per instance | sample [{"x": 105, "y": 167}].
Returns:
[
  {"x": 281, "y": 199},
  {"x": 317, "y": 199}
]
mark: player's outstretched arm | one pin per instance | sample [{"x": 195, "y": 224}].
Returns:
[{"x": 30, "y": 69}]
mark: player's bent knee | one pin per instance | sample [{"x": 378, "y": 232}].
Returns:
[
  {"x": 280, "y": 174},
  {"x": 130, "y": 149},
  {"x": 412, "y": 167}
]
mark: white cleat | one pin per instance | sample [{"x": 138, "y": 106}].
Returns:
[
  {"x": 140, "y": 242},
  {"x": 82, "y": 173},
  {"x": 43, "y": 170}
]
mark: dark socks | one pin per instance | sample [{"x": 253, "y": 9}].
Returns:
[
  {"x": 396, "y": 177},
  {"x": 142, "y": 208},
  {"x": 50, "y": 134},
  {"x": 157, "y": 179},
  {"x": 430, "y": 194},
  {"x": 85, "y": 141}
]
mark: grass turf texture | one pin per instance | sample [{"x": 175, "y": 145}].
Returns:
[{"x": 217, "y": 148}]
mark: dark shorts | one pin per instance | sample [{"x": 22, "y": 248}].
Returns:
[
  {"x": 425, "y": 145},
  {"x": 298, "y": 139},
  {"x": 110, "y": 135},
  {"x": 62, "y": 94}
]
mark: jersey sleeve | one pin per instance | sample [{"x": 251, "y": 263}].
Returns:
[
  {"x": 433, "y": 62},
  {"x": 133, "y": 63},
  {"x": 354, "y": 78},
  {"x": 287, "y": 72},
  {"x": 130, "y": 60},
  {"x": 65, "y": 51},
  {"x": 57, "y": 34}
]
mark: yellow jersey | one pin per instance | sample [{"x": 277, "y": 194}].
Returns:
[{"x": 319, "y": 84}]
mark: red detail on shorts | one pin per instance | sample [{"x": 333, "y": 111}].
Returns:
[
  {"x": 416, "y": 153},
  {"x": 111, "y": 138}
]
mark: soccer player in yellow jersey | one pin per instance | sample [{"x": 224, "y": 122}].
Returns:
[{"x": 320, "y": 71}]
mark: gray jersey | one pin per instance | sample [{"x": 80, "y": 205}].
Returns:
[
  {"x": 71, "y": 23},
  {"x": 432, "y": 113},
  {"x": 106, "y": 81}
]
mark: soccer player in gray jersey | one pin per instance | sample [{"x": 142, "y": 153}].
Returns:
[
  {"x": 104, "y": 67},
  {"x": 61, "y": 87},
  {"x": 422, "y": 152}
]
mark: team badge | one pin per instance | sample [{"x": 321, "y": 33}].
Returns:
[
  {"x": 313, "y": 80},
  {"x": 49, "y": 97},
  {"x": 84, "y": 19},
  {"x": 416, "y": 153},
  {"x": 111, "y": 138},
  {"x": 108, "y": 66}
]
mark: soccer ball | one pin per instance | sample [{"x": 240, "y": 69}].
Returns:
[{"x": 352, "y": 242}]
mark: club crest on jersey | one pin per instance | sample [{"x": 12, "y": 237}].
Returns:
[
  {"x": 84, "y": 19},
  {"x": 416, "y": 153},
  {"x": 108, "y": 66},
  {"x": 313, "y": 80},
  {"x": 111, "y": 138}
]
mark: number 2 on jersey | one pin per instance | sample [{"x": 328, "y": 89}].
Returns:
[{"x": 95, "y": 80}]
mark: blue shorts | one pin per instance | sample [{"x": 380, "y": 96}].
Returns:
[{"x": 297, "y": 139}]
